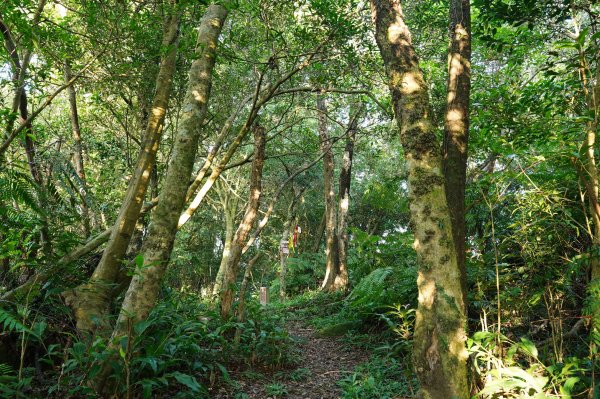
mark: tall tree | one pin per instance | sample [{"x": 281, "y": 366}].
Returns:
[
  {"x": 439, "y": 352},
  {"x": 341, "y": 280},
  {"x": 456, "y": 125},
  {"x": 590, "y": 82},
  {"x": 243, "y": 231},
  {"x": 156, "y": 250},
  {"x": 331, "y": 250},
  {"x": 91, "y": 301}
]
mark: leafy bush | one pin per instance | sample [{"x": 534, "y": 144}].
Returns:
[
  {"x": 182, "y": 347},
  {"x": 11, "y": 386},
  {"x": 520, "y": 372},
  {"x": 305, "y": 272},
  {"x": 370, "y": 252}
]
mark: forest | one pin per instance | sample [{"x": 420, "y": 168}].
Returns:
[{"x": 255, "y": 199}]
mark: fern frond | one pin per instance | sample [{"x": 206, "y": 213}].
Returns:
[
  {"x": 17, "y": 186},
  {"x": 371, "y": 289},
  {"x": 10, "y": 323}
]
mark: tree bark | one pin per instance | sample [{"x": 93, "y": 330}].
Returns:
[
  {"x": 230, "y": 209},
  {"x": 319, "y": 233},
  {"x": 439, "y": 352},
  {"x": 456, "y": 126},
  {"x": 90, "y": 302},
  {"x": 260, "y": 98},
  {"x": 241, "y": 310},
  {"x": 243, "y": 231},
  {"x": 214, "y": 176},
  {"x": 157, "y": 247},
  {"x": 341, "y": 280},
  {"x": 78, "y": 152},
  {"x": 331, "y": 250}
]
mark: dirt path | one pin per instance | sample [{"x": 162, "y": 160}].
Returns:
[{"x": 323, "y": 362}]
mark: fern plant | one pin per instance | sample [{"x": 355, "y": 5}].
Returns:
[
  {"x": 18, "y": 187},
  {"x": 372, "y": 291},
  {"x": 10, "y": 323}
]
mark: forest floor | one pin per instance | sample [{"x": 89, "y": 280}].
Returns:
[{"x": 322, "y": 362}]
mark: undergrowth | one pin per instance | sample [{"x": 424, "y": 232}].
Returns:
[{"x": 183, "y": 350}]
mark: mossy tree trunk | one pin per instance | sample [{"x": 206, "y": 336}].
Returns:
[
  {"x": 156, "y": 250},
  {"x": 243, "y": 231},
  {"x": 439, "y": 352},
  {"x": 90, "y": 302},
  {"x": 230, "y": 210}
]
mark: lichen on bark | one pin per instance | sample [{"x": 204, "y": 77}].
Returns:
[{"x": 439, "y": 352}]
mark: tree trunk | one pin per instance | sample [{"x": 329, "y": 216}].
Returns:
[
  {"x": 90, "y": 302},
  {"x": 230, "y": 207},
  {"x": 456, "y": 127},
  {"x": 341, "y": 280},
  {"x": 439, "y": 353},
  {"x": 243, "y": 231},
  {"x": 214, "y": 176},
  {"x": 331, "y": 250},
  {"x": 287, "y": 226},
  {"x": 78, "y": 152},
  {"x": 319, "y": 233},
  {"x": 241, "y": 310},
  {"x": 157, "y": 247}
]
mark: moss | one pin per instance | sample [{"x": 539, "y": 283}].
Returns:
[
  {"x": 424, "y": 266},
  {"x": 426, "y": 211},
  {"x": 412, "y": 225},
  {"x": 337, "y": 330},
  {"x": 417, "y": 134},
  {"x": 423, "y": 182},
  {"x": 429, "y": 235}
]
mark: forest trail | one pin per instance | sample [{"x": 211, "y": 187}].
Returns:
[{"x": 323, "y": 361}]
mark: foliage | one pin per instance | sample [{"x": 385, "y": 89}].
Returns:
[
  {"x": 182, "y": 346},
  {"x": 304, "y": 273},
  {"x": 520, "y": 372},
  {"x": 530, "y": 233},
  {"x": 380, "y": 378},
  {"x": 394, "y": 250},
  {"x": 276, "y": 390}
]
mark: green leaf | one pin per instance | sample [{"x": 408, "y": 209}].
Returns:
[
  {"x": 187, "y": 380},
  {"x": 142, "y": 326},
  {"x": 139, "y": 261},
  {"x": 224, "y": 372},
  {"x": 529, "y": 347}
]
